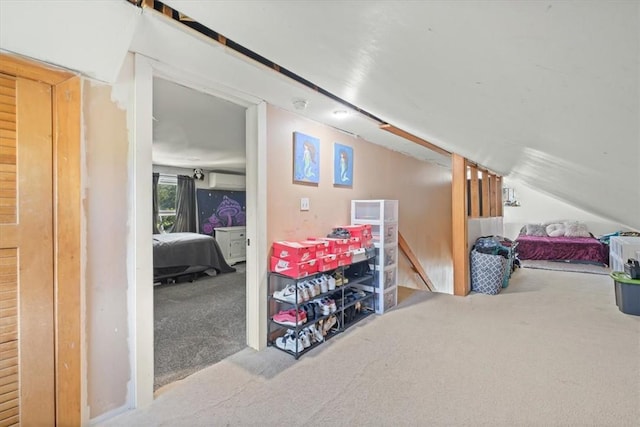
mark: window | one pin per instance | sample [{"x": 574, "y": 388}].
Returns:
[{"x": 167, "y": 185}]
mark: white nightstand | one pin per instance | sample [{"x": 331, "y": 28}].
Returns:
[{"x": 232, "y": 242}]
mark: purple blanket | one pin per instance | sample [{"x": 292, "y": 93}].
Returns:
[{"x": 562, "y": 248}]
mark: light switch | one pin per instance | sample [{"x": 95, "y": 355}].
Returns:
[{"x": 304, "y": 204}]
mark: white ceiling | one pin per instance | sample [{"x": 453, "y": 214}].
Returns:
[
  {"x": 193, "y": 129},
  {"x": 545, "y": 92}
]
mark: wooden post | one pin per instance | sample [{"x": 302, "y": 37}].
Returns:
[
  {"x": 459, "y": 225},
  {"x": 499, "y": 203},
  {"x": 475, "y": 192},
  {"x": 485, "y": 194},
  {"x": 492, "y": 195}
]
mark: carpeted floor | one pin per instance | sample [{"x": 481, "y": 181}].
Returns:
[
  {"x": 552, "y": 349},
  {"x": 197, "y": 324},
  {"x": 574, "y": 267}
]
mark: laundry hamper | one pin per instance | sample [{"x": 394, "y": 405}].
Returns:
[{"x": 487, "y": 272}]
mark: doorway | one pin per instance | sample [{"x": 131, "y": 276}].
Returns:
[
  {"x": 141, "y": 273},
  {"x": 199, "y": 310}
]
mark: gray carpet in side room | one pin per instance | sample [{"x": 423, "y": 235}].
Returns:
[{"x": 197, "y": 324}]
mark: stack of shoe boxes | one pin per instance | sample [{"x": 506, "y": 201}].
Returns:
[{"x": 301, "y": 259}]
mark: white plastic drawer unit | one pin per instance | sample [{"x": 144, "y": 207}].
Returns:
[
  {"x": 621, "y": 248},
  {"x": 232, "y": 242}
]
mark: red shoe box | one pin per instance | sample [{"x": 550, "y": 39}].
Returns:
[
  {"x": 344, "y": 259},
  {"x": 337, "y": 246},
  {"x": 293, "y": 269},
  {"x": 294, "y": 251},
  {"x": 322, "y": 246},
  {"x": 328, "y": 262},
  {"x": 362, "y": 231},
  {"x": 354, "y": 243}
]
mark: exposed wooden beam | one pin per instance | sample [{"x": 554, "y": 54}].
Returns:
[
  {"x": 492, "y": 195},
  {"x": 499, "y": 204},
  {"x": 406, "y": 135},
  {"x": 413, "y": 260},
  {"x": 459, "y": 225},
  {"x": 474, "y": 192},
  {"x": 485, "y": 195}
]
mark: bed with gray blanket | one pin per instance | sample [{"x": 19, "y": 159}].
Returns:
[{"x": 181, "y": 254}]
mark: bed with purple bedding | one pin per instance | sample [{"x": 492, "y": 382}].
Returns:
[{"x": 585, "y": 249}]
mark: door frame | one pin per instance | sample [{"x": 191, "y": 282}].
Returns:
[
  {"x": 68, "y": 297},
  {"x": 139, "y": 240}
]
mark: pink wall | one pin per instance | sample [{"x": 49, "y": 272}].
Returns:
[
  {"x": 422, "y": 189},
  {"x": 105, "y": 209}
]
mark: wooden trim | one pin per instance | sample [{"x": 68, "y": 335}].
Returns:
[
  {"x": 413, "y": 260},
  {"x": 492, "y": 195},
  {"x": 485, "y": 195},
  {"x": 459, "y": 225},
  {"x": 474, "y": 192},
  {"x": 26, "y": 68},
  {"x": 66, "y": 102},
  {"x": 67, "y": 182},
  {"x": 499, "y": 203},
  {"x": 406, "y": 135}
]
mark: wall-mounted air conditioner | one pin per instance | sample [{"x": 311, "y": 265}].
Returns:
[{"x": 225, "y": 181}]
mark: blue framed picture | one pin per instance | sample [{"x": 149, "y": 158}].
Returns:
[
  {"x": 306, "y": 159},
  {"x": 342, "y": 165}
]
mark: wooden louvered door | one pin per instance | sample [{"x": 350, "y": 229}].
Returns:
[{"x": 27, "y": 389}]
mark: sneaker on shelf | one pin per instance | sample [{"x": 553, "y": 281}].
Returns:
[
  {"x": 322, "y": 307},
  {"x": 289, "y": 342},
  {"x": 358, "y": 307},
  {"x": 331, "y": 283},
  {"x": 289, "y": 318},
  {"x": 331, "y": 303},
  {"x": 323, "y": 282},
  {"x": 315, "y": 283},
  {"x": 359, "y": 292},
  {"x": 328, "y": 324},
  {"x": 304, "y": 338},
  {"x": 315, "y": 333},
  {"x": 288, "y": 294},
  {"x": 302, "y": 291},
  {"x": 310, "y": 309},
  {"x": 311, "y": 289}
]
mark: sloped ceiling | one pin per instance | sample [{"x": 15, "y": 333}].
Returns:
[{"x": 546, "y": 92}]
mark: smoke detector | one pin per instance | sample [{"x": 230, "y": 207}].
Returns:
[{"x": 300, "y": 103}]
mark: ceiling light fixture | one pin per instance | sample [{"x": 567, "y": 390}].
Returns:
[
  {"x": 300, "y": 103},
  {"x": 340, "y": 113}
]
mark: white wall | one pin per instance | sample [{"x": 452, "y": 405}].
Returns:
[
  {"x": 537, "y": 207},
  {"x": 171, "y": 170}
]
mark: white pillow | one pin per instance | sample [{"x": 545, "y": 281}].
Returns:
[
  {"x": 576, "y": 229},
  {"x": 555, "y": 230},
  {"x": 535, "y": 230}
]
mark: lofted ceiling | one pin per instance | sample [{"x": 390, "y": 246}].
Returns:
[
  {"x": 546, "y": 92},
  {"x": 542, "y": 91}
]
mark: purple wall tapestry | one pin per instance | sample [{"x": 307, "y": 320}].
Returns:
[{"x": 217, "y": 208}]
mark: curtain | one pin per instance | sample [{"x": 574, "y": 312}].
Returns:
[
  {"x": 185, "y": 206},
  {"x": 156, "y": 216}
]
